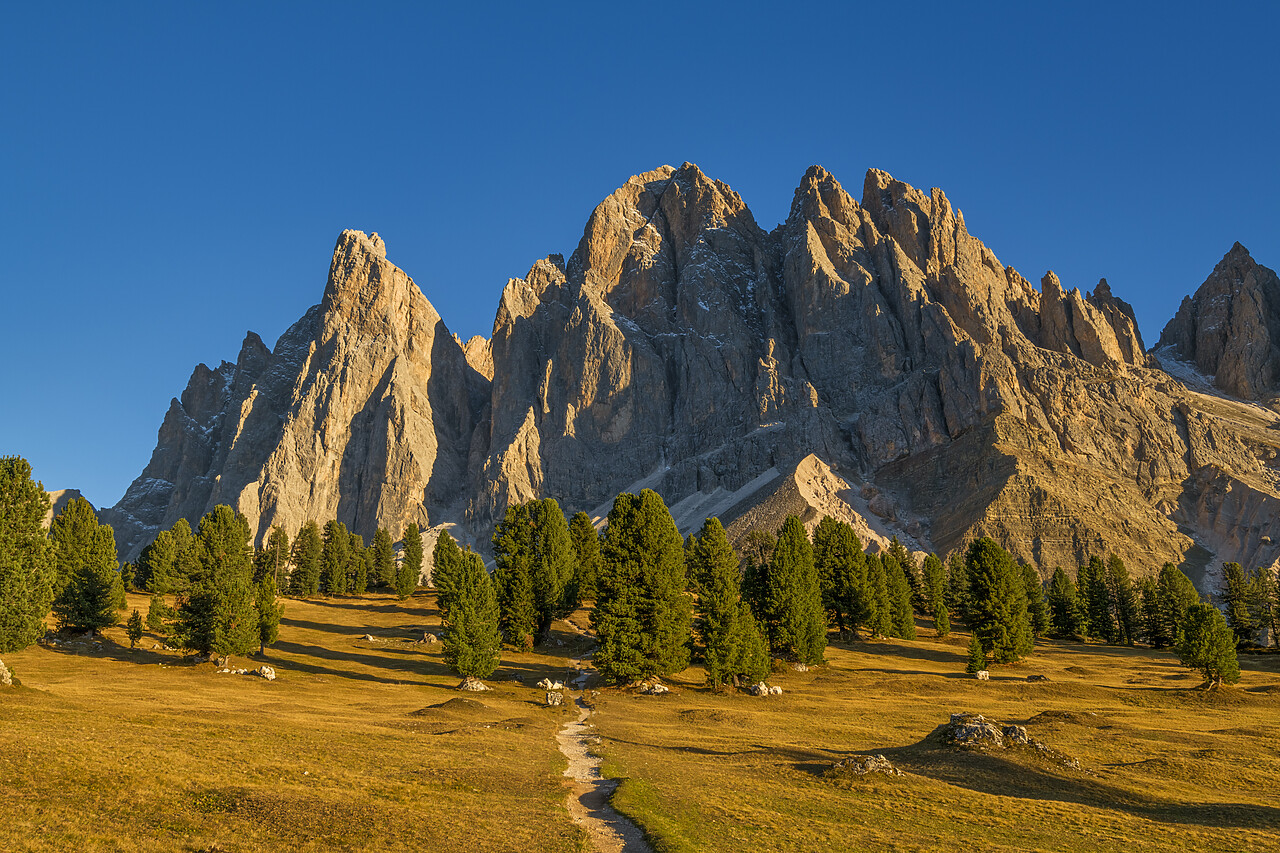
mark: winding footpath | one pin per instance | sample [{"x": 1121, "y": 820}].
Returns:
[{"x": 589, "y": 805}]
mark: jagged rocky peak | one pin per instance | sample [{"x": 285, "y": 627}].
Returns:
[{"x": 1230, "y": 328}]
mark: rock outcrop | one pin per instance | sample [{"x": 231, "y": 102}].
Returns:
[{"x": 867, "y": 358}]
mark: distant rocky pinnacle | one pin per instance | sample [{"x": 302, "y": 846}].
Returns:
[{"x": 681, "y": 347}]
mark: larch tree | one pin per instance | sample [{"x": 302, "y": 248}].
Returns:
[
  {"x": 795, "y": 622},
  {"x": 28, "y": 567},
  {"x": 642, "y": 613},
  {"x": 307, "y": 548},
  {"x": 999, "y": 601},
  {"x": 472, "y": 642}
]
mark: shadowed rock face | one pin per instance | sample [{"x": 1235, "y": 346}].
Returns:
[
  {"x": 683, "y": 348},
  {"x": 1230, "y": 329}
]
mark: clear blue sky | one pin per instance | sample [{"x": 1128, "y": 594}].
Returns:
[{"x": 174, "y": 174}]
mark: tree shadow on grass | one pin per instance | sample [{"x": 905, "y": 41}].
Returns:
[
  {"x": 395, "y": 632},
  {"x": 420, "y": 667}
]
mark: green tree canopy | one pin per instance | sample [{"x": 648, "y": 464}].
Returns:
[
  {"x": 1037, "y": 607},
  {"x": 410, "y": 570},
  {"x": 1208, "y": 646},
  {"x": 218, "y": 614},
  {"x": 586, "y": 548},
  {"x": 383, "y": 558},
  {"x": 446, "y": 564},
  {"x": 899, "y": 587},
  {"x": 269, "y": 610},
  {"x": 935, "y": 588},
  {"x": 842, "y": 574},
  {"x": 733, "y": 647},
  {"x": 274, "y": 558},
  {"x": 472, "y": 641},
  {"x": 335, "y": 558},
  {"x": 1065, "y": 618},
  {"x": 880, "y": 604},
  {"x": 94, "y": 593},
  {"x": 998, "y": 601},
  {"x": 73, "y": 532},
  {"x": 795, "y": 623},
  {"x": 1238, "y": 594},
  {"x": 28, "y": 566},
  {"x": 307, "y": 548}
]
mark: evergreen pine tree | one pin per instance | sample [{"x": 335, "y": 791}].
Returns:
[
  {"x": 1124, "y": 603},
  {"x": 94, "y": 593},
  {"x": 357, "y": 566},
  {"x": 911, "y": 573},
  {"x": 1149, "y": 607},
  {"x": 157, "y": 612},
  {"x": 880, "y": 606},
  {"x": 472, "y": 641},
  {"x": 586, "y": 547},
  {"x": 28, "y": 566},
  {"x": 1064, "y": 605},
  {"x": 552, "y": 566},
  {"x": 720, "y": 608},
  {"x": 935, "y": 587},
  {"x": 274, "y": 558},
  {"x": 1238, "y": 595},
  {"x": 307, "y": 548},
  {"x": 1267, "y": 603},
  {"x": 795, "y": 623},
  {"x": 269, "y": 611},
  {"x": 446, "y": 564},
  {"x": 133, "y": 629},
  {"x": 842, "y": 574},
  {"x": 126, "y": 577},
  {"x": 1174, "y": 594},
  {"x": 1208, "y": 645},
  {"x": 1095, "y": 601},
  {"x": 903, "y": 618},
  {"x": 977, "y": 657},
  {"x": 958, "y": 586},
  {"x": 513, "y": 577},
  {"x": 218, "y": 616},
  {"x": 383, "y": 551},
  {"x": 410, "y": 569},
  {"x": 155, "y": 572},
  {"x": 1037, "y": 607},
  {"x": 335, "y": 557},
  {"x": 999, "y": 601},
  {"x": 642, "y": 614},
  {"x": 73, "y": 532},
  {"x": 186, "y": 556}
]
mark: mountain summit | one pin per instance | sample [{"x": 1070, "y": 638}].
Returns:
[{"x": 683, "y": 348}]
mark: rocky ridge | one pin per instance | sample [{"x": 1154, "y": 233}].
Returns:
[{"x": 868, "y": 353}]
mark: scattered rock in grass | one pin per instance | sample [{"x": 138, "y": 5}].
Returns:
[
  {"x": 429, "y": 638},
  {"x": 1037, "y": 678},
  {"x": 6, "y": 677},
  {"x": 759, "y": 689},
  {"x": 473, "y": 685},
  {"x": 775, "y": 690},
  {"x": 974, "y": 731},
  {"x": 1015, "y": 734},
  {"x": 861, "y": 765},
  {"x": 983, "y": 675},
  {"x": 554, "y": 698},
  {"x": 656, "y": 688},
  {"x": 266, "y": 672},
  {"x": 800, "y": 667},
  {"x": 368, "y": 638},
  {"x": 548, "y": 684}
]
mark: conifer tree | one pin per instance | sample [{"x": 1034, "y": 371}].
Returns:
[
  {"x": 446, "y": 564},
  {"x": 1238, "y": 596},
  {"x": 911, "y": 573},
  {"x": 155, "y": 571},
  {"x": 305, "y": 557},
  {"x": 880, "y": 620},
  {"x": 958, "y": 586},
  {"x": 553, "y": 565},
  {"x": 94, "y": 592},
  {"x": 357, "y": 566},
  {"x": 1266, "y": 613},
  {"x": 335, "y": 558},
  {"x": 733, "y": 646},
  {"x": 133, "y": 629},
  {"x": 642, "y": 614},
  {"x": 274, "y": 558},
  {"x": 999, "y": 601},
  {"x": 1174, "y": 593},
  {"x": 842, "y": 574},
  {"x": 586, "y": 548},
  {"x": 1037, "y": 607},
  {"x": 471, "y": 638},
  {"x": 903, "y": 618},
  {"x": 269, "y": 611},
  {"x": 513, "y": 576},
  {"x": 157, "y": 612},
  {"x": 1208, "y": 645},
  {"x": 1064, "y": 605},
  {"x": 795, "y": 623},
  {"x": 218, "y": 614},
  {"x": 383, "y": 561},
  {"x": 410, "y": 563},
  {"x": 1149, "y": 606},
  {"x": 186, "y": 556},
  {"x": 1124, "y": 604},
  {"x": 977, "y": 657},
  {"x": 28, "y": 566},
  {"x": 935, "y": 587},
  {"x": 73, "y": 532},
  {"x": 1095, "y": 600}
]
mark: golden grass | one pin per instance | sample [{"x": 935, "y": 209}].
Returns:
[
  {"x": 1165, "y": 766},
  {"x": 363, "y": 745}
]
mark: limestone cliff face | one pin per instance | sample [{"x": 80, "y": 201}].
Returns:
[
  {"x": 1230, "y": 329},
  {"x": 364, "y": 411},
  {"x": 681, "y": 347}
]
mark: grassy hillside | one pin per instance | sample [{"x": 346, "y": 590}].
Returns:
[{"x": 366, "y": 745}]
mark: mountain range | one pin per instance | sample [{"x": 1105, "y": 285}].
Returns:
[{"x": 867, "y": 358}]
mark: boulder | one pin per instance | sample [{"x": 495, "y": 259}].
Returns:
[
  {"x": 548, "y": 684},
  {"x": 983, "y": 675},
  {"x": 775, "y": 690},
  {"x": 799, "y": 667},
  {"x": 1037, "y": 678},
  {"x": 6, "y": 677},
  {"x": 862, "y": 765},
  {"x": 1015, "y": 734},
  {"x": 266, "y": 672},
  {"x": 973, "y": 731},
  {"x": 473, "y": 685},
  {"x": 554, "y": 698},
  {"x": 759, "y": 689},
  {"x": 429, "y": 638},
  {"x": 368, "y": 638}
]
